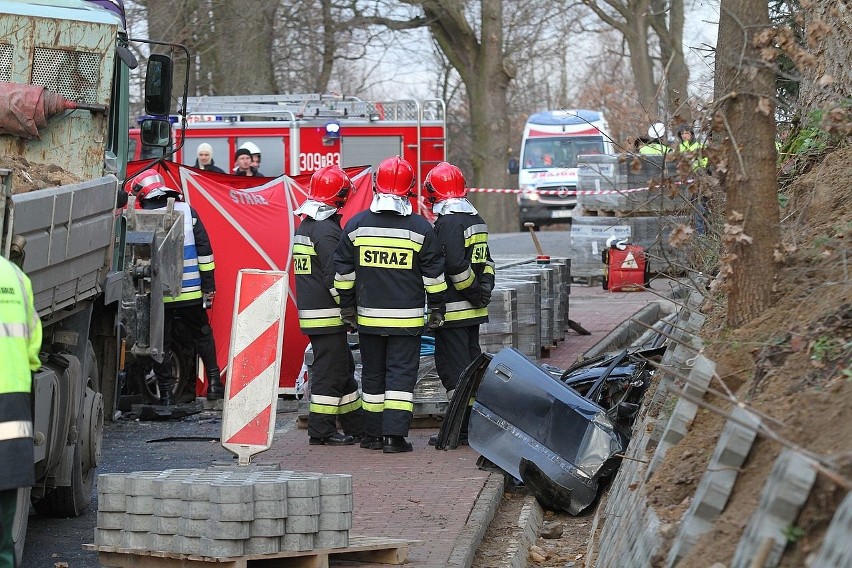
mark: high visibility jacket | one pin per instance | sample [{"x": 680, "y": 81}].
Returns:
[
  {"x": 695, "y": 148},
  {"x": 654, "y": 149},
  {"x": 313, "y": 266},
  {"x": 20, "y": 342},
  {"x": 389, "y": 266},
  {"x": 467, "y": 266},
  {"x": 198, "y": 262}
]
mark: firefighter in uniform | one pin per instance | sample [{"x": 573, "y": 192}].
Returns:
[
  {"x": 389, "y": 266},
  {"x": 469, "y": 270},
  {"x": 197, "y": 289},
  {"x": 334, "y": 391},
  {"x": 20, "y": 342}
]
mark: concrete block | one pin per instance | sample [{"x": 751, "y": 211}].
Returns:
[
  {"x": 140, "y": 483},
  {"x": 228, "y": 530},
  {"x": 682, "y": 416},
  {"x": 138, "y": 523},
  {"x": 836, "y": 549},
  {"x": 169, "y": 507},
  {"x": 297, "y": 541},
  {"x": 302, "y": 524},
  {"x": 198, "y": 488},
  {"x": 110, "y": 520},
  {"x": 700, "y": 376},
  {"x": 112, "y": 502},
  {"x": 111, "y": 483},
  {"x": 136, "y": 540},
  {"x": 303, "y": 506},
  {"x": 262, "y": 545},
  {"x": 191, "y": 544},
  {"x": 162, "y": 542},
  {"x": 336, "y": 503},
  {"x": 193, "y": 528},
  {"x": 783, "y": 496},
  {"x": 173, "y": 487},
  {"x": 269, "y": 490},
  {"x": 109, "y": 537},
  {"x": 714, "y": 489},
  {"x": 335, "y": 484},
  {"x": 231, "y": 491},
  {"x": 140, "y": 504},
  {"x": 232, "y": 511},
  {"x": 270, "y": 509},
  {"x": 331, "y": 539},
  {"x": 197, "y": 509},
  {"x": 165, "y": 525},
  {"x": 335, "y": 521},
  {"x": 303, "y": 485},
  {"x": 267, "y": 527}
]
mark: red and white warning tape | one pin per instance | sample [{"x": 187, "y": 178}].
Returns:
[{"x": 560, "y": 192}]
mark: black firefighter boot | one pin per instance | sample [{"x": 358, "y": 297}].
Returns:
[
  {"x": 165, "y": 388},
  {"x": 215, "y": 389}
]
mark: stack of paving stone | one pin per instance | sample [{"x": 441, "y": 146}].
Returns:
[
  {"x": 528, "y": 312},
  {"x": 501, "y": 330},
  {"x": 223, "y": 512},
  {"x": 544, "y": 275}
]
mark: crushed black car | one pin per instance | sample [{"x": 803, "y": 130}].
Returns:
[{"x": 559, "y": 433}]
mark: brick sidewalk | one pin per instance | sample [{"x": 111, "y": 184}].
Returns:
[{"x": 429, "y": 495}]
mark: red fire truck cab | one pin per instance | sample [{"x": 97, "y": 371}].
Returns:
[{"x": 299, "y": 134}]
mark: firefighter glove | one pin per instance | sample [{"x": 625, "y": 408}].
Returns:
[
  {"x": 349, "y": 319},
  {"x": 484, "y": 296},
  {"x": 436, "y": 320},
  {"x": 207, "y": 300}
]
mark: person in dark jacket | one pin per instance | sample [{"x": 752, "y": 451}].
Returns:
[
  {"x": 334, "y": 391},
  {"x": 204, "y": 159},
  {"x": 197, "y": 289},
  {"x": 469, "y": 271},
  {"x": 242, "y": 157},
  {"x": 20, "y": 342},
  {"x": 389, "y": 266}
]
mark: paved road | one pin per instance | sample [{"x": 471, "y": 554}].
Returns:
[{"x": 553, "y": 243}]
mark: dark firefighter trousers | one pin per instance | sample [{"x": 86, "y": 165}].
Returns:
[
  {"x": 194, "y": 319},
  {"x": 455, "y": 349},
  {"x": 390, "y": 364},
  {"x": 333, "y": 374}
]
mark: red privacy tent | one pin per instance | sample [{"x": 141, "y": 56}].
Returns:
[{"x": 251, "y": 225}]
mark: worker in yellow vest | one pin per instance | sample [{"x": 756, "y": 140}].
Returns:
[{"x": 20, "y": 342}]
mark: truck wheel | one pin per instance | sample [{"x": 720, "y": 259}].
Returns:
[
  {"x": 74, "y": 500},
  {"x": 183, "y": 374},
  {"x": 19, "y": 525}
]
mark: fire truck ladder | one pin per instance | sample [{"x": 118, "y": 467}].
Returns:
[{"x": 282, "y": 107}]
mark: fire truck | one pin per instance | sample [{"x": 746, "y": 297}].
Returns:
[{"x": 299, "y": 134}]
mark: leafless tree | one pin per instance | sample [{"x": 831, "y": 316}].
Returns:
[
  {"x": 641, "y": 22},
  {"x": 744, "y": 124}
]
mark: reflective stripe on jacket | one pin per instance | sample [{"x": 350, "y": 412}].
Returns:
[
  {"x": 468, "y": 267},
  {"x": 313, "y": 266},
  {"x": 198, "y": 262},
  {"x": 20, "y": 342},
  {"x": 389, "y": 266}
]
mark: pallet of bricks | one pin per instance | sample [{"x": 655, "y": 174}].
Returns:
[
  {"x": 627, "y": 202},
  {"x": 231, "y": 516},
  {"x": 529, "y": 306}
]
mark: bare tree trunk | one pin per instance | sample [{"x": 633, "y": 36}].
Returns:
[
  {"x": 244, "y": 47},
  {"x": 486, "y": 73},
  {"x": 745, "y": 120},
  {"x": 668, "y": 24}
]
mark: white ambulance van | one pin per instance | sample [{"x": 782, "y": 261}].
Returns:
[{"x": 547, "y": 172}]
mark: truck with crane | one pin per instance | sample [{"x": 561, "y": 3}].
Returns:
[{"x": 66, "y": 66}]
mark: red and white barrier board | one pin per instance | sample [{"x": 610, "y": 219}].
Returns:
[{"x": 254, "y": 360}]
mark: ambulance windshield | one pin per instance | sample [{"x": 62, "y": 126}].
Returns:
[{"x": 559, "y": 152}]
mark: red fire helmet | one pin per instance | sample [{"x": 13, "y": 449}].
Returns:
[
  {"x": 444, "y": 181},
  {"x": 330, "y": 185},
  {"x": 395, "y": 176}
]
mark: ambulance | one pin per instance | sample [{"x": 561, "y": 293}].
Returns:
[
  {"x": 298, "y": 134},
  {"x": 547, "y": 173}
]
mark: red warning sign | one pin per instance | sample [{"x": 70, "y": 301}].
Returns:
[{"x": 254, "y": 358}]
